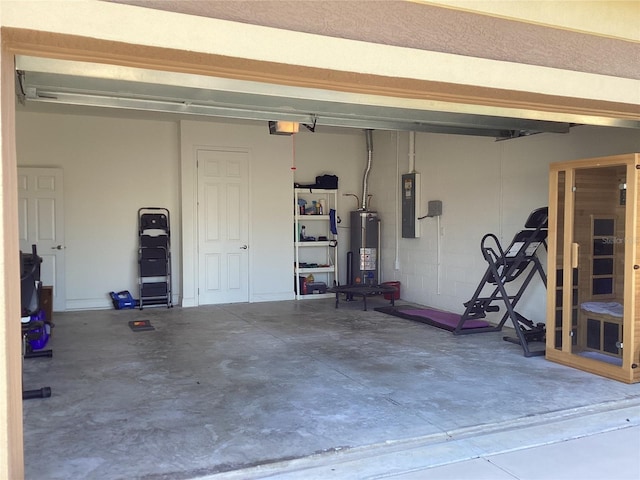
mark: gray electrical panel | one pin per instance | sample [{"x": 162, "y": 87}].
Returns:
[{"x": 410, "y": 201}]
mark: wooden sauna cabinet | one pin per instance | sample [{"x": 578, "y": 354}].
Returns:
[{"x": 593, "y": 322}]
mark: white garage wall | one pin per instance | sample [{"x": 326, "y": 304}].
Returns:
[
  {"x": 111, "y": 167},
  {"x": 485, "y": 187},
  {"x": 340, "y": 152}
]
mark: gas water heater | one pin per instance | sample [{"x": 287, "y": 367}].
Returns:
[
  {"x": 365, "y": 233},
  {"x": 365, "y": 245}
]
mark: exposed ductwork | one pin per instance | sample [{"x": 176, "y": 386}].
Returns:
[{"x": 365, "y": 180}]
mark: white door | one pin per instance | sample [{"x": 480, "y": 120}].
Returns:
[
  {"x": 41, "y": 211},
  {"x": 223, "y": 226}
]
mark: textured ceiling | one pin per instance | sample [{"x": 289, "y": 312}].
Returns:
[{"x": 425, "y": 27}]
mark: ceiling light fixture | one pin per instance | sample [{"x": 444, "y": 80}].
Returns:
[{"x": 283, "y": 128}]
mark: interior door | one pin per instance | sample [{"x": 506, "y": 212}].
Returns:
[
  {"x": 223, "y": 226},
  {"x": 40, "y": 200}
]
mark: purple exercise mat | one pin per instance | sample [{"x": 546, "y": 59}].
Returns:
[{"x": 445, "y": 318}]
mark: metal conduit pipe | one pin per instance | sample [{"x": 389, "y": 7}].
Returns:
[
  {"x": 412, "y": 152},
  {"x": 365, "y": 181}
]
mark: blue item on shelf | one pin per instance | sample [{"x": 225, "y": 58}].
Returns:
[{"x": 332, "y": 221}]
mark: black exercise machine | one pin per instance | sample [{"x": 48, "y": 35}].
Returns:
[
  {"x": 34, "y": 325},
  {"x": 503, "y": 268}
]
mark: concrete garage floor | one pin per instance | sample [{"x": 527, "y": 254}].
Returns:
[{"x": 301, "y": 389}]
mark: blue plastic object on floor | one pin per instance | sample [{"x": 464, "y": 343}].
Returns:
[
  {"x": 38, "y": 330},
  {"x": 123, "y": 300}
]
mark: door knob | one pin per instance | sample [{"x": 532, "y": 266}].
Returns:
[
  {"x": 243, "y": 247},
  {"x": 57, "y": 247}
]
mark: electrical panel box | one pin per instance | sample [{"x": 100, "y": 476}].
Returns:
[{"x": 410, "y": 204}]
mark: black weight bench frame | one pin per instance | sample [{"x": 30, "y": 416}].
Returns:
[{"x": 363, "y": 291}]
